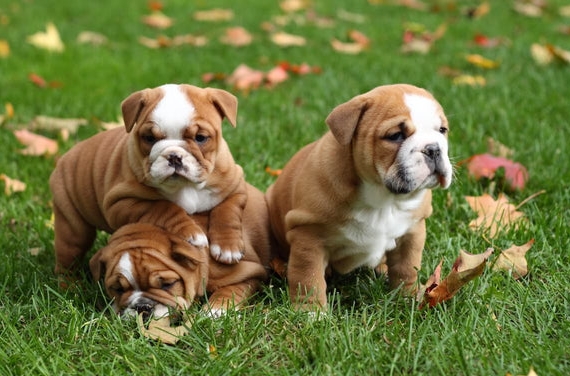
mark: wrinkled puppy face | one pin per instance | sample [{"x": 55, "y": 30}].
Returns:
[
  {"x": 177, "y": 131},
  {"x": 146, "y": 270},
  {"x": 398, "y": 136}
]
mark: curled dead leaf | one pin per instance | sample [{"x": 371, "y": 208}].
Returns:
[
  {"x": 494, "y": 216},
  {"x": 214, "y": 15},
  {"x": 12, "y": 185},
  {"x": 160, "y": 329},
  {"x": 486, "y": 166},
  {"x": 466, "y": 267},
  {"x": 36, "y": 145},
  {"x": 513, "y": 259}
]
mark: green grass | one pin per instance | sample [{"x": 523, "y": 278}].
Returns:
[{"x": 495, "y": 325}]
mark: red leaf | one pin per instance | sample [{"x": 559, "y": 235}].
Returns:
[
  {"x": 486, "y": 165},
  {"x": 37, "y": 80}
]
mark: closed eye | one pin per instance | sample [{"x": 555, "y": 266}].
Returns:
[
  {"x": 168, "y": 285},
  {"x": 149, "y": 139}
]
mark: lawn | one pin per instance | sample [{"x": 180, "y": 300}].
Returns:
[{"x": 495, "y": 325}]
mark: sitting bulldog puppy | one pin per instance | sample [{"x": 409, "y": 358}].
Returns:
[
  {"x": 362, "y": 191},
  {"x": 169, "y": 160},
  {"x": 148, "y": 270}
]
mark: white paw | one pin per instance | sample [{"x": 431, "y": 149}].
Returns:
[
  {"x": 225, "y": 256},
  {"x": 214, "y": 313},
  {"x": 199, "y": 240}
]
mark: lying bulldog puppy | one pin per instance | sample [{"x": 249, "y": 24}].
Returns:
[
  {"x": 362, "y": 191},
  {"x": 169, "y": 161},
  {"x": 148, "y": 270}
]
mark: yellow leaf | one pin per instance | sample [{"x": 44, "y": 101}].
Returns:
[
  {"x": 214, "y": 15},
  {"x": 48, "y": 40},
  {"x": 481, "y": 61},
  {"x": 285, "y": 40},
  {"x": 158, "y": 20},
  {"x": 347, "y": 48},
  {"x": 514, "y": 260},
  {"x": 4, "y": 48},
  {"x": 465, "y": 79},
  {"x": 12, "y": 185},
  {"x": 290, "y": 6},
  {"x": 541, "y": 54}
]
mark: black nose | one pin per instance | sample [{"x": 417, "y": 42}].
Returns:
[
  {"x": 175, "y": 161},
  {"x": 144, "y": 308},
  {"x": 432, "y": 151}
]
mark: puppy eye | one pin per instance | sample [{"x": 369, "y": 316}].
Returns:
[
  {"x": 443, "y": 130},
  {"x": 201, "y": 139},
  {"x": 119, "y": 290},
  {"x": 149, "y": 139},
  {"x": 168, "y": 285},
  {"x": 396, "y": 137}
]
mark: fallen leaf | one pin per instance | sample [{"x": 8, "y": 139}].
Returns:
[
  {"x": 9, "y": 114},
  {"x": 480, "y": 10},
  {"x": 273, "y": 172},
  {"x": 513, "y": 259},
  {"x": 486, "y": 166},
  {"x": 285, "y": 40},
  {"x": 245, "y": 78},
  {"x": 494, "y": 216},
  {"x": 559, "y": 53},
  {"x": 212, "y": 351},
  {"x": 417, "y": 39},
  {"x": 236, "y": 36},
  {"x": 4, "y": 48},
  {"x": 359, "y": 38},
  {"x": 465, "y": 79},
  {"x": 37, "y": 80},
  {"x": 483, "y": 40},
  {"x": 541, "y": 54},
  {"x": 160, "y": 329},
  {"x": 36, "y": 145},
  {"x": 158, "y": 20},
  {"x": 48, "y": 40},
  {"x": 12, "y": 185},
  {"x": 34, "y": 251},
  {"x": 214, "y": 15},
  {"x": 290, "y": 6},
  {"x": 466, "y": 267},
  {"x": 276, "y": 76},
  {"x": 564, "y": 11},
  {"x": 49, "y": 123},
  {"x": 528, "y": 9},
  {"x": 155, "y": 6},
  {"x": 481, "y": 61},
  {"x": 91, "y": 37},
  {"x": 347, "y": 48}
]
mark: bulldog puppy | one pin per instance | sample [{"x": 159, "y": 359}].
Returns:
[
  {"x": 169, "y": 161},
  {"x": 362, "y": 191},
  {"x": 146, "y": 269}
]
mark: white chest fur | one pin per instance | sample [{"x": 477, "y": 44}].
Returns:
[
  {"x": 378, "y": 219},
  {"x": 194, "y": 200}
]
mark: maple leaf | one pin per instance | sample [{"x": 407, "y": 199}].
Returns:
[
  {"x": 493, "y": 215},
  {"x": 513, "y": 259},
  {"x": 236, "y": 36},
  {"x": 48, "y": 40},
  {"x": 486, "y": 166},
  {"x": 36, "y": 145},
  {"x": 466, "y": 267},
  {"x": 12, "y": 185},
  {"x": 159, "y": 329}
]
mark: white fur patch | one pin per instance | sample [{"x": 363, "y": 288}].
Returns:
[
  {"x": 126, "y": 269},
  {"x": 423, "y": 111},
  {"x": 378, "y": 219},
  {"x": 174, "y": 112}
]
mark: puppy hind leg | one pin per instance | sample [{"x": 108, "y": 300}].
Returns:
[{"x": 231, "y": 297}]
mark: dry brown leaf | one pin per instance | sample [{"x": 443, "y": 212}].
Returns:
[
  {"x": 236, "y": 36},
  {"x": 276, "y": 76},
  {"x": 513, "y": 259},
  {"x": 36, "y": 145},
  {"x": 347, "y": 48},
  {"x": 4, "y": 48},
  {"x": 12, "y": 185},
  {"x": 494, "y": 216},
  {"x": 158, "y": 20},
  {"x": 160, "y": 330},
  {"x": 465, "y": 268},
  {"x": 214, "y": 15},
  {"x": 285, "y": 40},
  {"x": 245, "y": 78},
  {"x": 528, "y": 9},
  {"x": 47, "y": 40},
  {"x": 290, "y": 6},
  {"x": 91, "y": 37},
  {"x": 49, "y": 123}
]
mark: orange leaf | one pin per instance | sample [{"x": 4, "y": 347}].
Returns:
[
  {"x": 347, "y": 48},
  {"x": 493, "y": 215},
  {"x": 486, "y": 165},
  {"x": 37, "y": 80},
  {"x": 513, "y": 259},
  {"x": 37, "y": 145},
  {"x": 245, "y": 78},
  {"x": 276, "y": 76},
  {"x": 236, "y": 36},
  {"x": 12, "y": 185},
  {"x": 158, "y": 20},
  {"x": 481, "y": 61},
  {"x": 273, "y": 172},
  {"x": 465, "y": 268}
]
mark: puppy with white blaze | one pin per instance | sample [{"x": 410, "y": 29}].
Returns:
[
  {"x": 167, "y": 164},
  {"x": 362, "y": 192}
]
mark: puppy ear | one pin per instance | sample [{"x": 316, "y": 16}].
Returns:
[
  {"x": 226, "y": 104},
  {"x": 132, "y": 107},
  {"x": 97, "y": 264},
  {"x": 344, "y": 118},
  {"x": 193, "y": 258}
]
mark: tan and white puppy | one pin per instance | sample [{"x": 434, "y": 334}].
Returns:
[
  {"x": 169, "y": 161},
  {"x": 147, "y": 270},
  {"x": 362, "y": 191}
]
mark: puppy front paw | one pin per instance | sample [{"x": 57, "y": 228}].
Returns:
[
  {"x": 198, "y": 240},
  {"x": 225, "y": 255}
]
